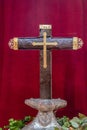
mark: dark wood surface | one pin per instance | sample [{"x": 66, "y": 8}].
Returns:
[
  {"x": 45, "y": 76},
  {"x": 62, "y": 43}
]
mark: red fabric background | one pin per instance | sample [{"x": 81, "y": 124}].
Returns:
[{"x": 19, "y": 70}]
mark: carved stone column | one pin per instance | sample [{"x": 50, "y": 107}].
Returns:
[{"x": 45, "y": 119}]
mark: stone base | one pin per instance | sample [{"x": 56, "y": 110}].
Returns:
[{"x": 45, "y": 119}]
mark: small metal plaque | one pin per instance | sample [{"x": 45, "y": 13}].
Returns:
[{"x": 45, "y": 26}]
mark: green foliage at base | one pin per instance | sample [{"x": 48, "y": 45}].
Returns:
[
  {"x": 17, "y": 124},
  {"x": 76, "y": 123}
]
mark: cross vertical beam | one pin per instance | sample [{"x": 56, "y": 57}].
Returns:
[
  {"x": 45, "y": 76},
  {"x": 45, "y": 65}
]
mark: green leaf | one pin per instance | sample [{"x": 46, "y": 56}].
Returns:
[
  {"x": 76, "y": 119},
  {"x": 67, "y": 124},
  {"x": 62, "y": 120},
  {"x": 65, "y": 128},
  {"x": 65, "y": 119},
  {"x": 27, "y": 118},
  {"x": 0, "y": 128},
  {"x": 74, "y": 124},
  {"x": 84, "y": 120}
]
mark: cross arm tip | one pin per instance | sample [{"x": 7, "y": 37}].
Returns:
[{"x": 13, "y": 43}]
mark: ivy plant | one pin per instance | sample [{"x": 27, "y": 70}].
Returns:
[{"x": 76, "y": 123}]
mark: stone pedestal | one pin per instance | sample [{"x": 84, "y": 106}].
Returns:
[{"x": 45, "y": 119}]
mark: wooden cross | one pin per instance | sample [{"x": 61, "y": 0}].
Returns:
[{"x": 46, "y": 43}]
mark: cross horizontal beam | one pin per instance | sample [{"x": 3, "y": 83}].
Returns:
[{"x": 72, "y": 43}]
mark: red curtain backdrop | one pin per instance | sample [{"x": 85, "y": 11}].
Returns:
[{"x": 19, "y": 70}]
